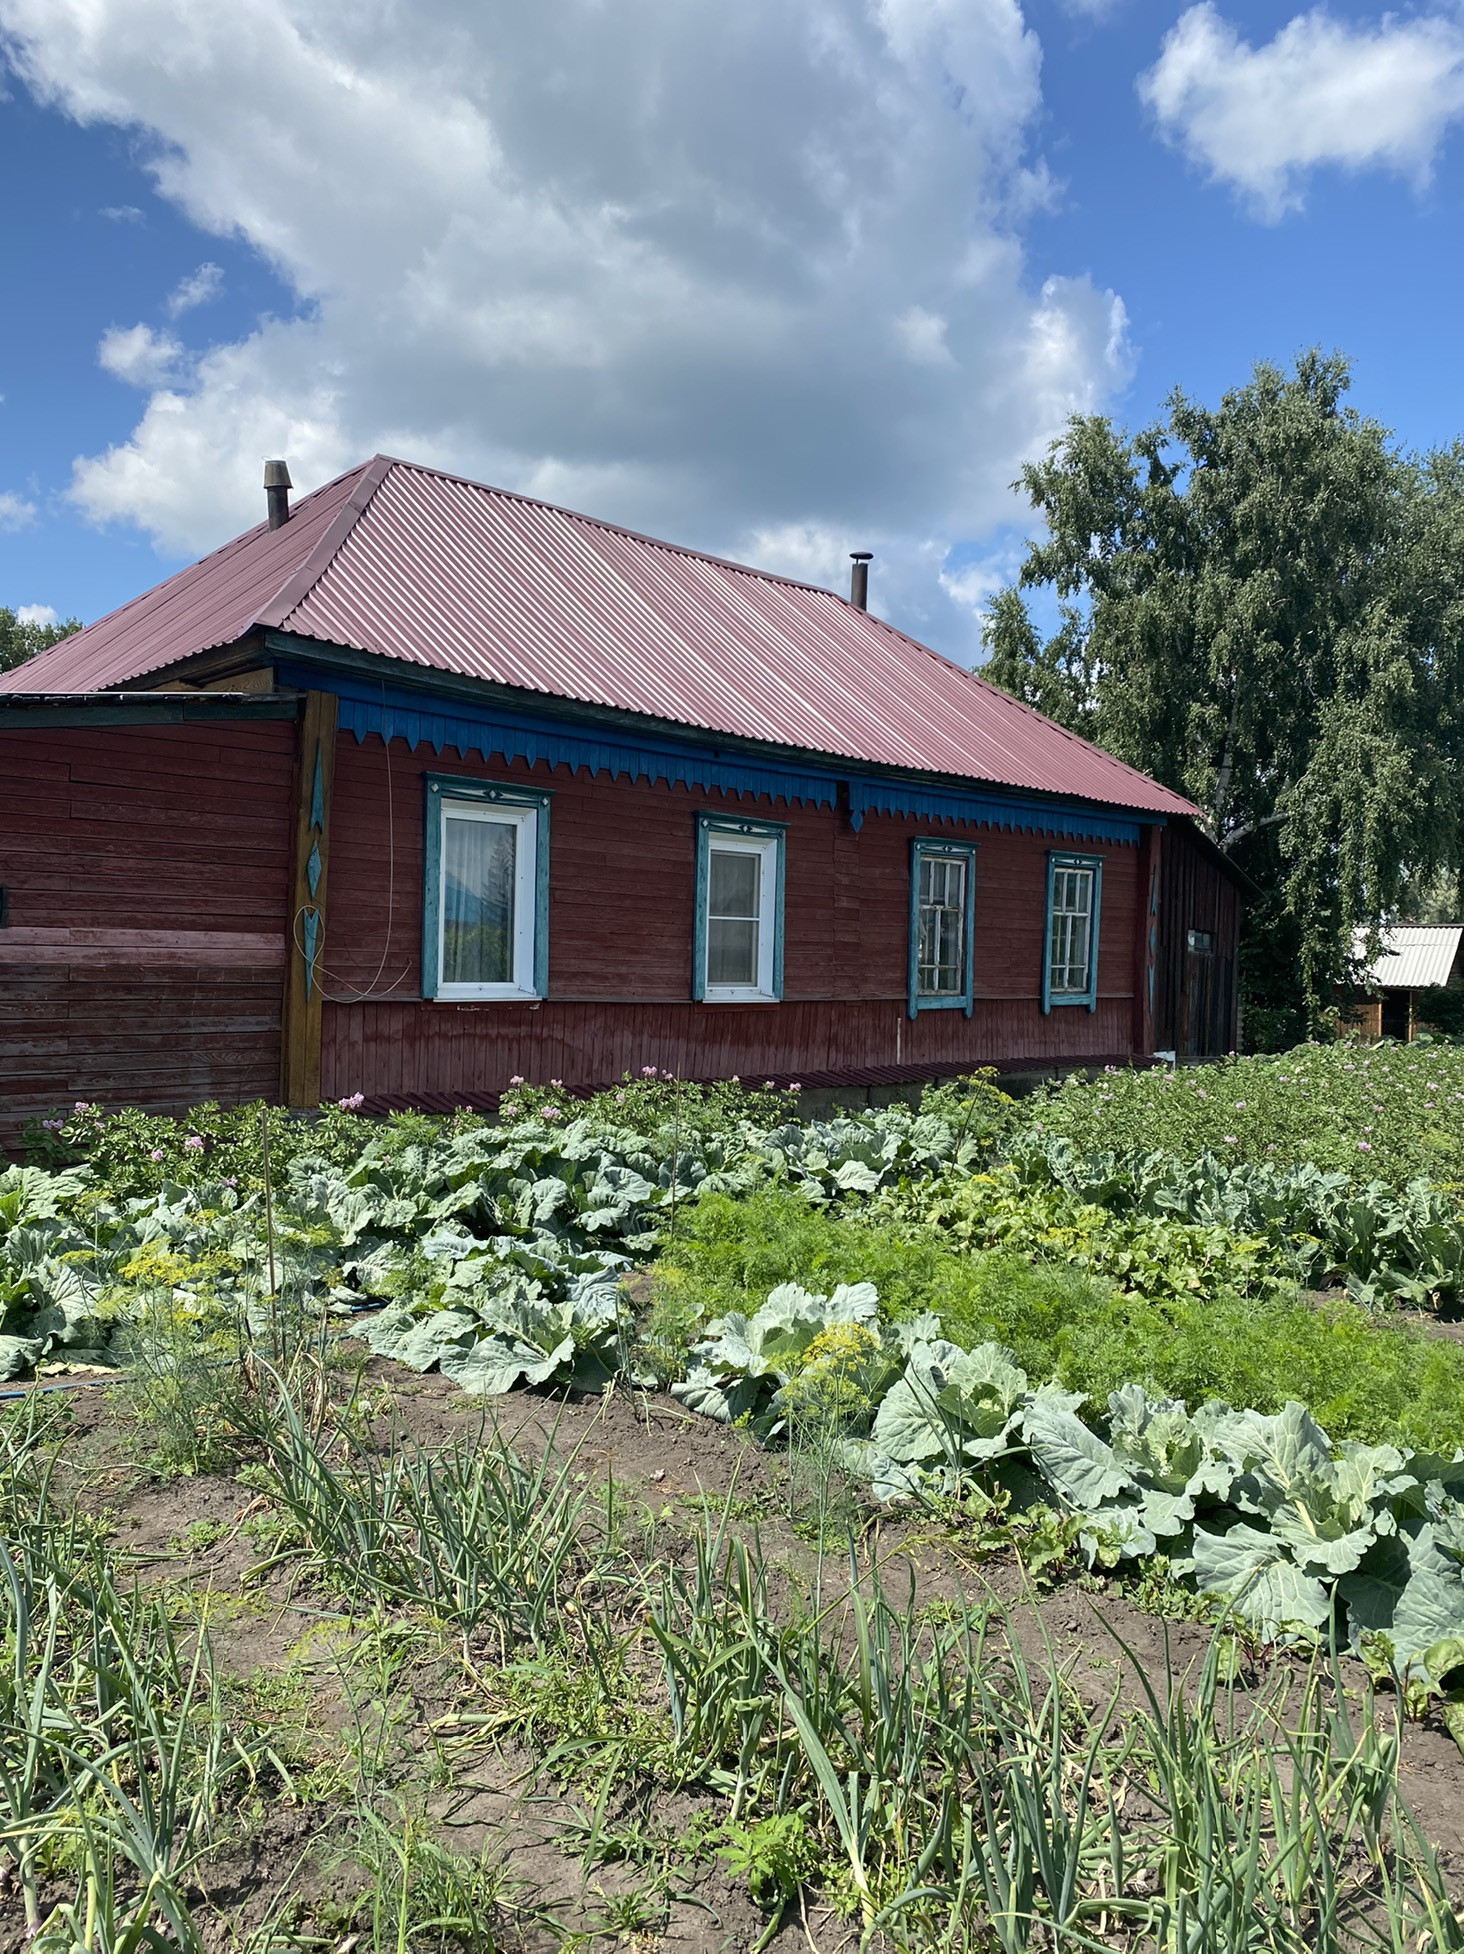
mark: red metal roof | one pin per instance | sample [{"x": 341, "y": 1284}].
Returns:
[{"x": 449, "y": 575}]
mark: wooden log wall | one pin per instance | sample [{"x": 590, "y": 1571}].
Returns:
[
  {"x": 146, "y": 872},
  {"x": 622, "y": 860}
]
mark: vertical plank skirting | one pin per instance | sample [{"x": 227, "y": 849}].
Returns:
[
  {"x": 1146, "y": 938},
  {"x": 305, "y": 929}
]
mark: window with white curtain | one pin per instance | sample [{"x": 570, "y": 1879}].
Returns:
[{"x": 487, "y": 868}]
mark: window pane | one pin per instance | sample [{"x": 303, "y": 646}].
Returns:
[
  {"x": 733, "y": 883},
  {"x": 479, "y": 860},
  {"x": 1072, "y": 928},
  {"x": 731, "y": 951},
  {"x": 940, "y": 951}
]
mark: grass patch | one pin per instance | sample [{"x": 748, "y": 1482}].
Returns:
[{"x": 1362, "y": 1377}]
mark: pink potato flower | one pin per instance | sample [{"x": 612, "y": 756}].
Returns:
[{"x": 194, "y": 1143}]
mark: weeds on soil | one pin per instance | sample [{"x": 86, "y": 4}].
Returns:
[{"x": 923, "y": 1774}]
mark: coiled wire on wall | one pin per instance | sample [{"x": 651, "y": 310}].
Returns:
[{"x": 316, "y": 966}]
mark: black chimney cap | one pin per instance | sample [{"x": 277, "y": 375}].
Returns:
[{"x": 277, "y": 486}]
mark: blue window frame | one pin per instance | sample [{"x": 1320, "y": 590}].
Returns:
[
  {"x": 1070, "y": 939},
  {"x": 737, "y": 951},
  {"x": 942, "y": 926},
  {"x": 485, "y": 905}
]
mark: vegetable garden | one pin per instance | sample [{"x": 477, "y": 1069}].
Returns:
[{"x": 1175, "y": 1348}]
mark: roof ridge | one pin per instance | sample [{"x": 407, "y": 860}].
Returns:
[
  {"x": 635, "y": 535},
  {"x": 382, "y": 465},
  {"x": 303, "y": 578},
  {"x": 775, "y": 577}
]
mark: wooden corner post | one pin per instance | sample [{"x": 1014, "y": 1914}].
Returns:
[{"x": 305, "y": 928}]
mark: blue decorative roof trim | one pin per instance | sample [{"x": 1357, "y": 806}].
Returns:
[
  {"x": 989, "y": 811},
  {"x": 398, "y": 713},
  {"x": 467, "y": 731}
]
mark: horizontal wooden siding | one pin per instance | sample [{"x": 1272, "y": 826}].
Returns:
[
  {"x": 622, "y": 881},
  {"x": 146, "y": 871}
]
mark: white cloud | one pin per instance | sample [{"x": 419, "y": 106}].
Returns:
[
  {"x": 123, "y": 214},
  {"x": 724, "y": 273},
  {"x": 805, "y": 550},
  {"x": 140, "y": 356},
  {"x": 1322, "y": 92},
  {"x": 15, "y": 511},
  {"x": 923, "y": 336},
  {"x": 975, "y": 583},
  {"x": 196, "y": 289},
  {"x": 36, "y": 614}
]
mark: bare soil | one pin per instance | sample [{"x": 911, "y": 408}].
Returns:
[{"x": 290, "y": 1649}]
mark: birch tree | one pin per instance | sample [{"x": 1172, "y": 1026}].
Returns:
[
  {"x": 1262, "y": 604},
  {"x": 20, "y": 640}
]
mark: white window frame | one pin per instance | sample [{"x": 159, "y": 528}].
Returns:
[
  {"x": 929, "y": 848},
  {"x": 525, "y": 893},
  {"x": 767, "y": 846},
  {"x": 1090, "y": 866}
]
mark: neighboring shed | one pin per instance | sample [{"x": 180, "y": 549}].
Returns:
[
  {"x": 1411, "y": 960},
  {"x": 1196, "y": 1001},
  {"x": 562, "y": 801}
]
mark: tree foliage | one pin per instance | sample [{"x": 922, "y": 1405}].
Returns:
[
  {"x": 20, "y": 640},
  {"x": 1262, "y": 604}
]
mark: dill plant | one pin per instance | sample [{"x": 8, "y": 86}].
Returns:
[{"x": 1362, "y": 1376}]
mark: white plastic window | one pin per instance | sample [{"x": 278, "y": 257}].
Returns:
[
  {"x": 486, "y": 900},
  {"x": 740, "y": 939}
]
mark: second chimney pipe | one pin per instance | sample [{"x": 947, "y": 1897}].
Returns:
[
  {"x": 859, "y": 578},
  {"x": 277, "y": 486}
]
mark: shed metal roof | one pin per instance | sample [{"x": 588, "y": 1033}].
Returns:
[
  {"x": 1411, "y": 958},
  {"x": 451, "y": 576}
]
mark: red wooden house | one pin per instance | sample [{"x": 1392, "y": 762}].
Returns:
[{"x": 423, "y": 785}]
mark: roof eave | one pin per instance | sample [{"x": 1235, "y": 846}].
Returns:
[{"x": 352, "y": 661}]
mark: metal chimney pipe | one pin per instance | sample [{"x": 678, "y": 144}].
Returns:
[
  {"x": 277, "y": 486},
  {"x": 859, "y": 578}
]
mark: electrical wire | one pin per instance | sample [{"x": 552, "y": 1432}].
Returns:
[{"x": 314, "y": 965}]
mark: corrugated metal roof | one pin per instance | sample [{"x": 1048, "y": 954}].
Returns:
[
  {"x": 1411, "y": 958},
  {"x": 212, "y": 602},
  {"x": 449, "y": 575}
]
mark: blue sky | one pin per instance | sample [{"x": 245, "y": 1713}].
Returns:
[
  {"x": 815, "y": 279},
  {"x": 90, "y": 245},
  {"x": 1372, "y": 265}
]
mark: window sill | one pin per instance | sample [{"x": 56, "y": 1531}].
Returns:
[
  {"x": 738, "y": 997},
  {"x": 472, "y": 994}
]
